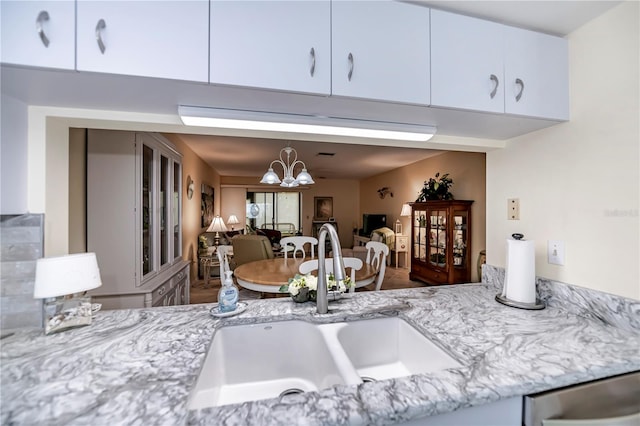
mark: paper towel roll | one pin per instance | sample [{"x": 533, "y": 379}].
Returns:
[{"x": 520, "y": 278}]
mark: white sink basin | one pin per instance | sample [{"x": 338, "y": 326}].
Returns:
[
  {"x": 385, "y": 348},
  {"x": 258, "y": 361}
]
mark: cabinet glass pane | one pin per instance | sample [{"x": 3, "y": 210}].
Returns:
[
  {"x": 176, "y": 213},
  {"x": 147, "y": 209},
  {"x": 164, "y": 203},
  {"x": 460, "y": 239},
  {"x": 420, "y": 235},
  {"x": 437, "y": 237}
]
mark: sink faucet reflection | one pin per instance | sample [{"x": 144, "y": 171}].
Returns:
[{"x": 338, "y": 265}]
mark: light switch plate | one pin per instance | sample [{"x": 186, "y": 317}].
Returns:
[
  {"x": 555, "y": 252},
  {"x": 513, "y": 209}
]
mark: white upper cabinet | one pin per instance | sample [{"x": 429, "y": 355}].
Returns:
[
  {"x": 165, "y": 39},
  {"x": 281, "y": 45},
  {"x": 380, "y": 50},
  {"x": 466, "y": 63},
  {"x": 485, "y": 66},
  {"x": 38, "y": 33},
  {"x": 536, "y": 74}
]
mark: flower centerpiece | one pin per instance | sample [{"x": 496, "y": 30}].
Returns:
[{"x": 304, "y": 287}]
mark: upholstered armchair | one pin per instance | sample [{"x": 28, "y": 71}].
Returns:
[{"x": 249, "y": 248}]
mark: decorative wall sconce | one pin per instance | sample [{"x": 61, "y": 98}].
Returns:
[
  {"x": 190, "y": 186},
  {"x": 382, "y": 192}
]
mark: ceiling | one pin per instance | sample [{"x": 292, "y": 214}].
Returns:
[{"x": 237, "y": 156}]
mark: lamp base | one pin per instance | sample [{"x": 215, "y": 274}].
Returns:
[{"x": 63, "y": 313}]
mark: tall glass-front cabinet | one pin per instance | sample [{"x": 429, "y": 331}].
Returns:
[
  {"x": 441, "y": 242},
  {"x": 134, "y": 219}
]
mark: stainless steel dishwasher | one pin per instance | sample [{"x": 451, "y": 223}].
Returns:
[{"x": 614, "y": 401}]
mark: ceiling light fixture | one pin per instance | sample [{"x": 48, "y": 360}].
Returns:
[
  {"x": 288, "y": 181},
  {"x": 298, "y": 123}
]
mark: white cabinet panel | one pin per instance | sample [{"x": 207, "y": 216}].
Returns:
[
  {"x": 465, "y": 54},
  {"x": 166, "y": 39},
  {"x": 380, "y": 50},
  {"x": 536, "y": 67},
  {"x": 111, "y": 207},
  {"x": 38, "y": 33},
  {"x": 470, "y": 57},
  {"x": 282, "y": 45}
]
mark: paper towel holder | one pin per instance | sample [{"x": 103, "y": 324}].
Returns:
[{"x": 515, "y": 304}]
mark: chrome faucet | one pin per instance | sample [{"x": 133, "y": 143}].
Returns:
[{"x": 338, "y": 265}]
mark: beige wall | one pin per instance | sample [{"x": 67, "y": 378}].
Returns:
[
  {"x": 345, "y": 194},
  {"x": 200, "y": 173},
  {"x": 233, "y": 201},
  {"x": 77, "y": 190},
  {"x": 468, "y": 173},
  {"x": 578, "y": 181}
]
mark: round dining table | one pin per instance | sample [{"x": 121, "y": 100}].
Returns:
[{"x": 268, "y": 275}]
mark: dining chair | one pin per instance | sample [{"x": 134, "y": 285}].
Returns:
[
  {"x": 296, "y": 244},
  {"x": 349, "y": 262},
  {"x": 377, "y": 253}
]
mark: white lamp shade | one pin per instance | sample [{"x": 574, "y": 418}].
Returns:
[
  {"x": 304, "y": 178},
  {"x": 406, "y": 210},
  {"x": 270, "y": 177},
  {"x": 217, "y": 225},
  {"x": 233, "y": 220},
  {"x": 59, "y": 276}
]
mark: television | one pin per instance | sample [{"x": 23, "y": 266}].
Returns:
[{"x": 371, "y": 222}]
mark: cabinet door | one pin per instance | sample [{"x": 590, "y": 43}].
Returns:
[
  {"x": 380, "y": 50},
  {"x": 38, "y": 33},
  {"x": 279, "y": 45},
  {"x": 466, "y": 63},
  {"x": 166, "y": 39},
  {"x": 536, "y": 74}
]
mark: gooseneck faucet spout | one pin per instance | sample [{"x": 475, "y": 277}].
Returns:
[{"x": 338, "y": 265}]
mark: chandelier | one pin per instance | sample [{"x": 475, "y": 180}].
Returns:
[{"x": 288, "y": 181}]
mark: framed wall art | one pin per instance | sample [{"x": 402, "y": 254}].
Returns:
[
  {"x": 323, "y": 208},
  {"x": 207, "y": 205}
]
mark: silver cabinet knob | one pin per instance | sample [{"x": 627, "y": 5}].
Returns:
[
  {"x": 495, "y": 88},
  {"x": 521, "y": 84},
  {"x": 43, "y": 17},
  {"x": 101, "y": 25}
]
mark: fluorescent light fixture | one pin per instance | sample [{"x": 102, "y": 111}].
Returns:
[{"x": 297, "y": 123}]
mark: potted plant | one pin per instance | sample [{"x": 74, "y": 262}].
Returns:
[{"x": 436, "y": 188}]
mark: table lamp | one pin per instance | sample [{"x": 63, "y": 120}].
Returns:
[
  {"x": 62, "y": 282},
  {"x": 233, "y": 220},
  {"x": 406, "y": 211},
  {"x": 217, "y": 226}
]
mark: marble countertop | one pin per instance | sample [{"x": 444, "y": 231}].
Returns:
[{"x": 138, "y": 366}]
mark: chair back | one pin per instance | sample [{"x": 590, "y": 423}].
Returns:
[
  {"x": 377, "y": 257},
  {"x": 296, "y": 244},
  {"x": 349, "y": 262},
  {"x": 223, "y": 258},
  {"x": 249, "y": 248}
]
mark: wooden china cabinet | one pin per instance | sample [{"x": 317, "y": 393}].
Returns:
[{"x": 441, "y": 242}]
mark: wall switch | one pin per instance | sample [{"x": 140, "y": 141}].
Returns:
[
  {"x": 513, "y": 209},
  {"x": 555, "y": 252}
]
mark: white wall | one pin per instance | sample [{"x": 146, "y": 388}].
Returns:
[
  {"x": 579, "y": 181},
  {"x": 13, "y": 155}
]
